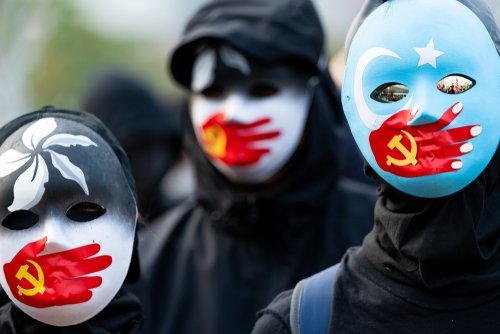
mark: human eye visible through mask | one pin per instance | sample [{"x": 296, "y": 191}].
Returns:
[
  {"x": 213, "y": 92},
  {"x": 263, "y": 89}
]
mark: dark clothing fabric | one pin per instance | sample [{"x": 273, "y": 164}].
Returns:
[
  {"x": 435, "y": 263},
  {"x": 122, "y": 315},
  {"x": 210, "y": 272},
  {"x": 3, "y": 297},
  {"x": 361, "y": 309},
  {"x": 428, "y": 266},
  {"x": 275, "y": 318},
  {"x": 369, "y": 301},
  {"x": 213, "y": 262}
]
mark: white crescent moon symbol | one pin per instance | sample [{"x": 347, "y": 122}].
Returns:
[{"x": 370, "y": 119}]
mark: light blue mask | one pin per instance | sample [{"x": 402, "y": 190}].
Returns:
[{"x": 422, "y": 95}]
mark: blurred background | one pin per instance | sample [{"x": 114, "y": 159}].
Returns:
[
  {"x": 109, "y": 57},
  {"x": 51, "y": 49}
]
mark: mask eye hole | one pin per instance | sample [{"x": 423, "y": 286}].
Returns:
[
  {"x": 20, "y": 220},
  {"x": 390, "y": 92},
  {"x": 455, "y": 84},
  {"x": 85, "y": 212},
  {"x": 213, "y": 92},
  {"x": 263, "y": 89}
]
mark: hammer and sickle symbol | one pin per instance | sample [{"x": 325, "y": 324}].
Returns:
[
  {"x": 410, "y": 155},
  {"x": 217, "y": 140},
  {"x": 36, "y": 283}
]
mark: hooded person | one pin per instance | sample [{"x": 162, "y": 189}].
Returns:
[
  {"x": 269, "y": 208},
  {"x": 68, "y": 215},
  {"x": 148, "y": 132},
  {"x": 422, "y": 106}
]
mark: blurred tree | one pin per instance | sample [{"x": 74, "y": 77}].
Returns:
[
  {"x": 72, "y": 53},
  {"x": 21, "y": 30}
]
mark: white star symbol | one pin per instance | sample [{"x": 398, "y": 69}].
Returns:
[{"x": 428, "y": 55}]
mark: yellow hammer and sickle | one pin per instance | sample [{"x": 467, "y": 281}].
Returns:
[
  {"x": 216, "y": 140},
  {"x": 37, "y": 283},
  {"x": 410, "y": 155}
]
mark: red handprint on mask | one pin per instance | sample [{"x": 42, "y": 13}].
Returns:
[
  {"x": 231, "y": 143},
  {"x": 418, "y": 150},
  {"x": 54, "y": 279}
]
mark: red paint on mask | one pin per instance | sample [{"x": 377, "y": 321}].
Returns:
[
  {"x": 54, "y": 279},
  {"x": 232, "y": 143},
  {"x": 419, "y": 150}
]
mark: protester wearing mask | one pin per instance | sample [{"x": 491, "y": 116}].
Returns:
[
  {"x": 431, "y": 264},
  {"x": 68, "y": 216},
  {"x": 269, "y": 208}
]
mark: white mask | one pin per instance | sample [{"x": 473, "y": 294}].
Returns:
[
  {"x": 67, "y": 221},
  {"x": 248, "y": 118}
]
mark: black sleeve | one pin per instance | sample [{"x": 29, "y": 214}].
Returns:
[{"x": 275, "y": 318}]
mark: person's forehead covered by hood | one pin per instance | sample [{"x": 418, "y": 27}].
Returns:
[{"x": 267, "y": 31}]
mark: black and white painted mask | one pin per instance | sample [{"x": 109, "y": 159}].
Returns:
[{"x": 67, "y": 220}]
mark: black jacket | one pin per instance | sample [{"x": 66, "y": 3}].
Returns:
[
  {"x": 428, "y": 265},
  {"x": 213, "y": 262}
]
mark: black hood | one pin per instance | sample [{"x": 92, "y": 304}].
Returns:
[
  {"x": 450, "y": 244},
  {"x": 129, "y": 109},
  {"x": 269, "y": 31},
  {"x": 272, "y": 31},
  {"x": 428, "y": 266}
]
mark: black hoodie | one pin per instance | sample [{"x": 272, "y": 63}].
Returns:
[
  {"x": 434, "y": 261},
  {"x": 216, "y": 260},
  {"x": 429, "y": 265}
]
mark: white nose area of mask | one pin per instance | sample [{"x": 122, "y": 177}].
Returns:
[
  {"x": 57, "y": 237},
  {"x": 234, "y": 109}
]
